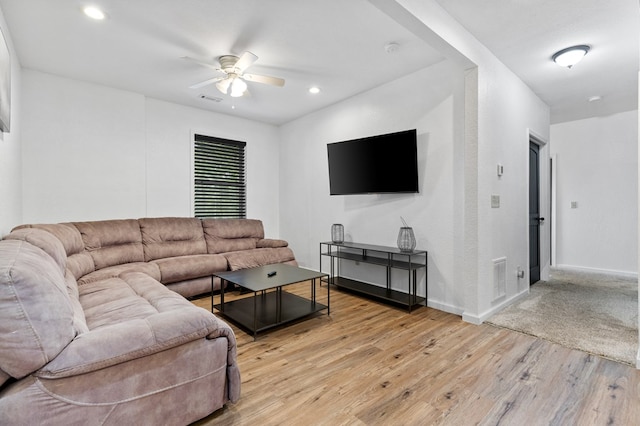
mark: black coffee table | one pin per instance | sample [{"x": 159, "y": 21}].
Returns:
[{"x": 270, "y": 306}]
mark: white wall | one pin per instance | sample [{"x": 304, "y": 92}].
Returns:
[
  {"x": 92, "y": 152},
  {"x": 10, "y": 149},
  {"x": 429, "y": 100},
  {"x": 596, "y": 163},
  {"x": 169, "y": 155},
  {"x": 84, "y": 151},
  {"x": 501, "y": 113}
]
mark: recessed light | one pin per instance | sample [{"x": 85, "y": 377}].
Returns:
[
  {"x": 595, "y": 98},
  {"x": 94, "y": 13},
  {"x": 392, "y": 47},
  {"x": 315, "y": 90}
]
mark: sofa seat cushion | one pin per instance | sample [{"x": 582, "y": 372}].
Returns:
[
  {"x": 150, "y": 269},
  {"x": 171, "y": 236},
  {"x": 130, "y": 296},
  {"x": 195, "y": 286},
  {"x": 258, "y": 257},
  {"x": 112, "y": 301},
  {"x": 37, "y": 316},
  {"x": 174, "y": 269}
]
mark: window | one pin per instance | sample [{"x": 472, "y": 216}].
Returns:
[{"x": 219, "y": 178}]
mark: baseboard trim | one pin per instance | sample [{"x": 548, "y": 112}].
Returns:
[
  {"x": 479, "y": 319},
  {"x": 627, "y": 274},
  {"x": 451, "y": 309}
]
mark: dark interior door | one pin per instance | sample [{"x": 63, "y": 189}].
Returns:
[{"x": 534, "y": 213}]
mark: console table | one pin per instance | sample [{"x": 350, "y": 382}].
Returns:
[{"x": 386, "y": 257}]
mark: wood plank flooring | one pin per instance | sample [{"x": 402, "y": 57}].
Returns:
[{"x": 372, "y": 364}]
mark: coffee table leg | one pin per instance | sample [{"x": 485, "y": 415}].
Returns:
[
  {"x": 277, "y": 304},
  {"x": 211, "y": 293},
  {"x": 223, "y": 284},
  {"x": 255, "y": 318}
]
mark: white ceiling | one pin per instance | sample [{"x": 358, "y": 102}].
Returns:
[
  {"x": 524, "y": 34},
  {"x": 139, "y": 46},
  {"x": 335, "y": 44}
]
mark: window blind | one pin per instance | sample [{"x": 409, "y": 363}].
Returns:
[{"x": 219, "y": 178}]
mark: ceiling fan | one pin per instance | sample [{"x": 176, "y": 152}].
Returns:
[{"x": 233, "y": 80}]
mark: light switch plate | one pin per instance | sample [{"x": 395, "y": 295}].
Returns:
[
  {"x": 574, "y": 204},
  {"x": 495, "y": 201}
]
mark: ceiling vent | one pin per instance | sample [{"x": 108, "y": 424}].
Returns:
[{"x": 210, "y": 98}]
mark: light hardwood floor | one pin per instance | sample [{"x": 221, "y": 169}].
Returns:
[{"x": 371, "y": 364}]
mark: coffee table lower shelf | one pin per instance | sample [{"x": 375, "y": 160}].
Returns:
[{"x": 268, "y": 312}]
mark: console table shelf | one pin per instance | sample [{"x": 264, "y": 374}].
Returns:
[{"x": 387, "y": 257}]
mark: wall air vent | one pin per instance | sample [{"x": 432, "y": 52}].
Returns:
[{"x": 499, "y": 278}]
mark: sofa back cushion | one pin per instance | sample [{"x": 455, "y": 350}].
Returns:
[
  {"x": 67, "y": 233},
  {"x": 171, "y": 236},
  {"x": 78, "y": 260},
  {"x": 112, "y": 242},
  {"x": 36, "y": 316},
  {"x": 226, "y": 235},
  {"x": 44, "y": 240}
]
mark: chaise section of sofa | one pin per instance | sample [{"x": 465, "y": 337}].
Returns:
[{"x": 120, "y": 349}]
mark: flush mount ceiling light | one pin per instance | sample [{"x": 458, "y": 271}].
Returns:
[
  {"x": 314, "y": 90},
  {"x": 94, "y": 13},
  {"x": 570, "y": 56}
]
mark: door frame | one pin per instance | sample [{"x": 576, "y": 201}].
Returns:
[
  {"x": 544, "y": 178},
  {"x": 536, "y": 216}
]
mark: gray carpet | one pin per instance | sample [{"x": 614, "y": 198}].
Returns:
[{"x": 592, "y": 312}]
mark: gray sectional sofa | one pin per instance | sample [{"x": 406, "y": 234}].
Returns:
[{"x": 91, "y": 332}]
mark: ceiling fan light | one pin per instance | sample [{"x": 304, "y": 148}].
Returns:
[
  {"x": 238, "y": 88},
  {"x": 223, "y": 86},
  {"x": 570, "y": 56}
]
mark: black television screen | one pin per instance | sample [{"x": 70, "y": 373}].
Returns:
[{"x": 377, "y": 164}]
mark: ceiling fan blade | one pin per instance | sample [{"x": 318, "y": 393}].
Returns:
[
  {"x": 245, "y": 61},
  {"x": 204, "y": 64},
  {"x": 265, "y": 79},
  {"x": 206, "y": 82}
]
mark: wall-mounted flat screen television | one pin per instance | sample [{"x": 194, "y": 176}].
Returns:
[{"x": 374, "y": 165}]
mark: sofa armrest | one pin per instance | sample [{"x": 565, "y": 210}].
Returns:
[
  {"x": 233, "y": 372},
  {"x": 270, "y": 243},
  {"x": 136, "y": 338}
]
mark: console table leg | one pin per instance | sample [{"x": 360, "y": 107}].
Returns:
[{"x": 328, "y": 300}]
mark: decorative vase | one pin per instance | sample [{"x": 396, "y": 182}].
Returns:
[
  {"x": 337, "y": 233},
  {"x": 406, "y": 239}
]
